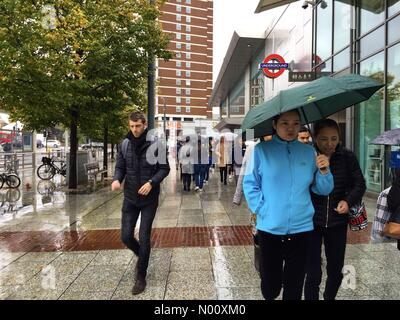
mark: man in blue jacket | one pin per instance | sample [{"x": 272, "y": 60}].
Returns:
[{"x": 277, "y": 189}]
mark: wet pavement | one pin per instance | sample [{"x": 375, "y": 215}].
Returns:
[{"x": 55, "y": 245}]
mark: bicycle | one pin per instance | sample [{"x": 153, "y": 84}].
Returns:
[
  {"x": 49, "y": 169},
  {"x": 11, "y": 179}
]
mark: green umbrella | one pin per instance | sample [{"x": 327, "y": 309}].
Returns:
[{"x": 315, "y": 100}]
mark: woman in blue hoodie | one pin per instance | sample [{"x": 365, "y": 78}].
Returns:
[{"x": 277, "y": 189}]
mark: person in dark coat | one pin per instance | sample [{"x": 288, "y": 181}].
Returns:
[
  {"x": 393, "y": 200},
  {"x": 143, "y": 167},
  {"x": 331, "y": 212}
]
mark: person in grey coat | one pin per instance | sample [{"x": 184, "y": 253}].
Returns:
[{"x": 186, "y": 158}]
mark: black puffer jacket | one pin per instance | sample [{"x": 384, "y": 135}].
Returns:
[
  {"x": 349, "y": 185},
  {"x": 137, "y": 170}
]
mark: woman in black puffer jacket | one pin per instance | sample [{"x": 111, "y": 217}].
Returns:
[{"x": 331, "y": 212}]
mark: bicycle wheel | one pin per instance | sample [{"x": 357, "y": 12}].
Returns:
[
  {"x": 13, "y": 181},
  {"x": 1, "y": 181},
  {"x": 45, "y": 172}
]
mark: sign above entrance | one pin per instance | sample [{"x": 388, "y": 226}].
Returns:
[
  {"x": 305, "y": 76},
  {"x": 277, "y": 63}
]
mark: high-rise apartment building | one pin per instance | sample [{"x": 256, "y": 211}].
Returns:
[{"x": 184, "y": 83}]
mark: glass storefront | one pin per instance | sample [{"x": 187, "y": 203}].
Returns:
[
  {"x": 394, "y": 7},
  {"x": 372, "y": 13},
  {"x": 393, "y": 102},
  {"x": 342, "y": 20},
  {"x": 375, "y": 53},
  {"x": 324, "y": 30},
  {"x": 369, "y": 124}
]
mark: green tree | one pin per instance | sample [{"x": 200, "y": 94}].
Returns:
[{"x": 70, "y": 62}]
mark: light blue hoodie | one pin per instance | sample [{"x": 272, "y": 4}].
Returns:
[{"x": 277, "y": 186}]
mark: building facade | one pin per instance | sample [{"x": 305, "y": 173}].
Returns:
[
  {"x": 184, "y": 83},
  {"x": 331, "y": 37}
]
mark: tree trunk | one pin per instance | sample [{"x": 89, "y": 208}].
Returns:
[
  {"x": 73, "y": 178},
  {"x": 112, "y": 151},
  {"x": 105, "y": 147}
]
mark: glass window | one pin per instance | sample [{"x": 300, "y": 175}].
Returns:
[
  {"x": 372, "y": 14},
  {"x": 188, "y": 28},
  {"x": 178, "y": 45},
  {"x": 188, "y": 82},
  {"x": 188, "y": 10},
  {"x": 178, "y": 55},
  {"x": 178, "y": 108},
  {"x": 178, "y": 82},
  {"x": 341, "y": 32},
  {"x": 178, "y": 99},
  {"x": 187, "y": 55},
  {"x": 324, "y": 68},
  {"x": 187, "y": 109},
  {"x": 393, "y": 88},
  {"x": 324, "y": 30},
  {"x": 188, "y": 46},
  {"x": 394, "y": 7},
  {"x": 369, "y": 124},
  {"x": 393, "y": 29},
  {"x": 188, "y": 19},
  {"x": 187, "y": 92},
  {"x": 188, "y": 1},
  {"x": 178, "y": 73},
  {"x": 188, "y": 74},
  {"x": 178, "y": 64},
  {"x": 187, "y": 64},
  {"x": 341, "y": 60},
  {"x": 178, "y": 36},
  {"x": 372, "y": 42},
  {"x": 178, "y": 26},
  {"x": 188, "y": 37},
  {"x": 187, "y": 100},
  {"x": 178, "y": 90},
  {"x": 393, "y": 98},
  {"x": 178, "y": 17},
  {"x": 179, "y": 8}
]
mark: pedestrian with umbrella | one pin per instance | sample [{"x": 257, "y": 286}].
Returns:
[
  {"x": 283, "y": 171},
  {"x": 331, "y": 216},
  {"x": 277, "y": 191}
]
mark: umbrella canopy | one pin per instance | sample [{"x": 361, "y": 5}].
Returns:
[
  {"x": 315, "y": 100},
  {"x": 388, "y": 138}
]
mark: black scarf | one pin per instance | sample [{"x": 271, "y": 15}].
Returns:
[{"x": 137, "y": 143}]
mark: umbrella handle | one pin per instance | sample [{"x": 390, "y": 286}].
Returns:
[{"x": 317, "y": 154}]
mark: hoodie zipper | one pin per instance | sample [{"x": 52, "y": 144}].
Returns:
[{"x": 327, "y": 213}]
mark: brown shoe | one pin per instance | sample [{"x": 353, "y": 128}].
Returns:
[{"x": 139, "y": 286}]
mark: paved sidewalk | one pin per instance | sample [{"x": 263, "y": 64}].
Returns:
[{"x": 69, "y": 248}]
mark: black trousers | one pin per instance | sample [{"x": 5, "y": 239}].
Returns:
[
  {"x": 187, "y": 179},
  {"x": 283, "y": 263},
  {"x": 335, "y": 246},
  {"x": 223, "y": 171},
  {"x": 130, "y": 215}
]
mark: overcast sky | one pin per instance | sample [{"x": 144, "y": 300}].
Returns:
[{"x": 231, "y": 15}]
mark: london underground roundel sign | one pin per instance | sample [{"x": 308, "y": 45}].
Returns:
[{"x": 273, "y": 65}]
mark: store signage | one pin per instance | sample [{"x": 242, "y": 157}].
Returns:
[
  {"x": 305, "y": 76},
  {"x": 273, "y": 66}
]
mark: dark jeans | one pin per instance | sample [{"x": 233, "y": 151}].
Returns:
[
  {"x": 335, "y": 245},
  {"x": 199, "y": 174},
  {"x": 207, "y": 177},
  {"x": 283, "y": 263},
  {"x": 223, "y": 171},
  {"x": 187, "y": 179},
  {"x": 130, "y": 215}
]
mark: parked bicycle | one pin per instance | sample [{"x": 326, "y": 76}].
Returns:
[
  {"x": 11, "y": 179},
  {"x": 50, "y": 168}
]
